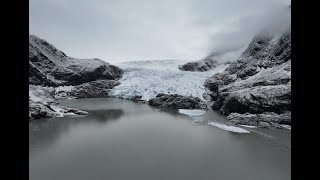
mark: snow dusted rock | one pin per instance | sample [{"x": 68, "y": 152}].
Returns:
[
  {"x": 258, "y": 99},
  {"x": 42, "y": 105},
  {"x": 212, "y": 84},
  {"x": 266, "y": 119},
  {"x": 202, "y": 65},
  {"x": 38, "y": 110},
  {"x": 258, "y": 82},
  {"x": 93, "y": 89},
  {"x": 49, "y": 66},
  {"x": 176, "y": 101},
  {"x": 37, "y": 77},
  {"x": 276, "y": 75}
]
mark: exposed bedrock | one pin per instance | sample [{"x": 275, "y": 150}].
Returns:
[
  {"x": 258, "y": 99},
  {"x": 93, "y": 89},
  {"x": 176, "y": 101},
  {"x": 201, "y": 65},
  {"x": 266, "y": 119},
  {"x": 42, "y": 109}
]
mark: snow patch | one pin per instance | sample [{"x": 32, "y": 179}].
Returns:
[{"x": 228, "y": 128}]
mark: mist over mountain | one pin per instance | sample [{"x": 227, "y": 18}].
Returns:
[{"x": 228, "y": 45}]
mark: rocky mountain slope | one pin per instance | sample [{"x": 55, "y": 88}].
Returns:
[
  {"x": 49, "y": 66},
  {"x": 256, "y": 89},
  {"x": 54, "y": 75}
]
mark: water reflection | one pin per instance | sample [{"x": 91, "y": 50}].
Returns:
[
  {"x": 124, "y": 140},
  {"x": 106, "y": 115},
  {"x": 44, "y": 133}
]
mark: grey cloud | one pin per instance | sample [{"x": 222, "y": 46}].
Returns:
[{"x": 124, "y": 30}]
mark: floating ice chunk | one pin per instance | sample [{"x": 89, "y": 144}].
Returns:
[
  {"x": 228, "y": 128},
  {"x": 192, "y": 112},
  {"x": 247, "y": 126}
]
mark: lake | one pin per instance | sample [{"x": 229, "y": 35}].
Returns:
[{"x": 123, "y": 140}]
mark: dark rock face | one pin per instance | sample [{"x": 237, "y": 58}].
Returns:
[
  {"x": 137, "y": 99},
  {"x": 49, "y": 66},
  {"x": 93, "y": 89},
  {"x": 176, "y": 101},
  {"x": 202, "y": 65},
  {"x": 258, "y": 82},
  {"x": 247, "y": 72}
]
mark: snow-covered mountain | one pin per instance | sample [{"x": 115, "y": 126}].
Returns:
[
  {"x": 149, "y": 78},
  {"x": 54, "y": 75},
  {"x": 49, "y": 66},
  {"x": 256, "y": 89}
]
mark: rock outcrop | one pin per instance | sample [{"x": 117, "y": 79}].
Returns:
[
  {"x": 93, "y": 89},
  {"x": 264, "y": 120},
  {"x": 202, "y": 65},
  {"x": 176, "y": 101},
  {"x": 42, "y": 105},
  {"x": 259, "y": 82},
  {"x": 39, "y": 110}
]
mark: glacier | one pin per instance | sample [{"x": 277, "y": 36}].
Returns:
[{"x": 150, "y": 77}]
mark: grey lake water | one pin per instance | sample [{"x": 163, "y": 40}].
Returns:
[{"x": 123, "y": 140}]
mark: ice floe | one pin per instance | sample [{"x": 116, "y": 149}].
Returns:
[{"x": 228, "y": 128}]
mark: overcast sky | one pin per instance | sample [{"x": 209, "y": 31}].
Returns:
[{"x": 125, "y": 30}]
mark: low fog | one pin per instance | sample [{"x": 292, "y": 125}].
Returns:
[
  {"x": 228, "y": 45},
  {"x": 124, "y": 30}
]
